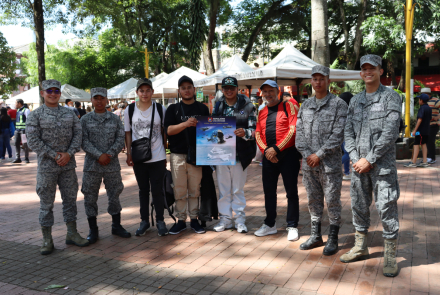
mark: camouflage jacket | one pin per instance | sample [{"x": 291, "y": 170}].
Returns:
[
  {"x": 50, "y": 131},
  {"x": 102, "y": 135},
  {"x": 373, "y": 127},
  {"x": 320, "y": 131}
]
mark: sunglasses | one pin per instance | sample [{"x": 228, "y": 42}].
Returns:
[{"x": 50, "y": 91}]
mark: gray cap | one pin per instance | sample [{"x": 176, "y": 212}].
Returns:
[
  {"x": 372, "y": 59},
  {"x": 46, "y": 84},
  {"x": 98, "y": 91},
  {"x": 321, "y": 70},
  {"x": 271, "y": 83}
]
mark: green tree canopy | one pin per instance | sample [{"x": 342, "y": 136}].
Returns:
[{"x": 8, "y": 69}]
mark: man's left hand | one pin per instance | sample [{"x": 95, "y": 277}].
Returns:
[
  {"x": 313, "y": 160},
  {"x": 362, "y": 166},
  {"x": 270, "y": 153},
  {"x": 240, "y": 132},
  {"x": 64, "y": 159}
]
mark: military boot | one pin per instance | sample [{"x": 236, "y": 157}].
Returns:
[
  {"x": 331, "y": 247},
  {"x": 94, "y": 232},
  {"x": 390, "y": 268},
  {"x": 73, "y": 237},
  {"x": 315, "y": 239},
  {"x": 47, "y": 247},
  {"x": 117, "y": 228},
  {"x": 359, "y": 251}
]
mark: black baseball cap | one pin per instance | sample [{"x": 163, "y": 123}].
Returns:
[
  {"x": 144, "y": 81},
  {"x": 185, "y": 79},
  {"x": 229, "y": 81}
]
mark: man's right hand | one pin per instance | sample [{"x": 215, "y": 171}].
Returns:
[
  {"x": 191, "y": 122},
  {"x": 129, "y": 160},
  {"x": 104, "y": 159}
]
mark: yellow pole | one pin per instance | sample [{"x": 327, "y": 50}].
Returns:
[
  {"x": 409, "y": 20},
  {"x": 147, "y": 59}
]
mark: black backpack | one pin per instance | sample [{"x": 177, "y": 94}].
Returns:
[{"x": 168, "y": 180}]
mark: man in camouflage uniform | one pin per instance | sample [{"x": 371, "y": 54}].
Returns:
[
  {"x": 54, "y": 133},
  {"x": 319, "y": 135},
  {"x": 103, "y": 139},
  {"x": 370, "y": 133}
]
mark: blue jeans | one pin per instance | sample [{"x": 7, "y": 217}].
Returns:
[
  {"x": 345, "y": 160},
  {"x": 5, "y": 142}
]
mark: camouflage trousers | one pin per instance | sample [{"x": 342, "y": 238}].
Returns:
[
  {"x": 46, "y": 188},
  {"x": 383, "y": 184},
  {"x": 320, "y": 185},
  {"x": 90, "y": 188}
]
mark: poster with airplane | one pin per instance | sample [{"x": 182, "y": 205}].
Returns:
[{"x": 215, "y": 141}]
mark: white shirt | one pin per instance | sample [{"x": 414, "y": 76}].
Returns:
[{"x": 141, "y": 128}]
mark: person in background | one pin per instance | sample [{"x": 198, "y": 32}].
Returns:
[
  {"x": 12, "y": 113},
  {"x": 88, "y": 109},
  {"x": 346, "y": 96},
  {"x": 6, "y": 132},
  {"x": 421, "y": 132},
  {"x": 109, "y": 108},
  {"x": 81, "y": 111},
  {"x": 20, "y": 130},
  {"x": 286, "y": 96},
  {"x": 69, "y": 104},
  {"x": 275, "y": 135},
  {"x": 434, "y": 104}
]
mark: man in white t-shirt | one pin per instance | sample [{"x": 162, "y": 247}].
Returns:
[{"x": 143, "y": 118}]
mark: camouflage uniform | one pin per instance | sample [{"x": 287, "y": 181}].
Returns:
[
  {"x": 50, "y": 131},
  {"x": 102, "y": 134},
  {"x": 371, "y": 131},
  {"x": 320, "y": 130}
]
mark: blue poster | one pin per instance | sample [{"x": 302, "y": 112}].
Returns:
[{"x": 215, "y": 141}]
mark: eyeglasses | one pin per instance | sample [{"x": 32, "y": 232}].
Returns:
[
  {"x": 229, "y": 88},
  {"x": 50, "y": 91}
]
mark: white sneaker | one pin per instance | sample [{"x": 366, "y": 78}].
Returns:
[
  {"x": 428, "y": 160},
  {"x": 222, "y": 225},
  {"x": 241, "y": 228},
  {"x": 346, "y": 177},
  {"x": 292, "y": 234},
  {"x": 265, "y": 230}
]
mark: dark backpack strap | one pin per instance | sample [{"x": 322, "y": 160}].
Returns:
[
  {"x": 165, "y": 197},
  {"x": 285, "y": 109},
  {"x": 216, "y": 108},
  {"x": 130, "y": 112}
]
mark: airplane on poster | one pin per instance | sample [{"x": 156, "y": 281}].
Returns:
[
  {"x": 205, "y": 128},
  {"x": 227, "y": 126}
]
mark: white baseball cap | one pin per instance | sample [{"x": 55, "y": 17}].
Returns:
[{"x": 425, "y": 90}]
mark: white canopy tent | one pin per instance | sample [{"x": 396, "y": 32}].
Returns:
[
  {"x": 120, "y": 89},
  {"x": 158, "y": 77},
  {"x": 32, "y": 96},
  {"x": 131, "y": 93},
  {"x": 167, "y": 87},
  {"x": 232, "y": 66},
  {"x": 288, "y": 67}
]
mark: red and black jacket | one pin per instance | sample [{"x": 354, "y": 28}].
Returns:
[{"x": 279, "y": 129}]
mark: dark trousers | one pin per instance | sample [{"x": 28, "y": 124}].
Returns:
[
  {"x": 433, "y": 130},
  {"x": 18, "y": 133},
  {"x": 154, "y": 174},
  {"x": 288, "y": 167},
  {"x": 208, "y": 196}
]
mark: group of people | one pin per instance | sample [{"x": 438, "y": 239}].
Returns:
[{"x": 282, "y": 131}]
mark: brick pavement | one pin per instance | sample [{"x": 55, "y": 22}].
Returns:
[{"x": 214, "y": 263}]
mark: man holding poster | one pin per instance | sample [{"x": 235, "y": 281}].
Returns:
[{"x": 232, "y": 178}]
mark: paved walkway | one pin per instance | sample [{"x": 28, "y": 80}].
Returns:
[{"x": 214, "y": 263}]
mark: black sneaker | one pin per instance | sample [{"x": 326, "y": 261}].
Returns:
[
  {"x": 195, "y": 225},
  {"x": 142, "y": 228},
  {"x": 118, "y": 230},
  {"x": 161, "y": 228},
  {"x": 26, "y": 161},
  {"x": 16, "y": 161},
  {"x": 178, "y": 227}
]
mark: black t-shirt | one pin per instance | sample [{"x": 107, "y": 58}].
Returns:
[
  {"x": 173, "y": 116},
  {"x": 271, "y": 125},
  {"x": 425, "y": 114}
]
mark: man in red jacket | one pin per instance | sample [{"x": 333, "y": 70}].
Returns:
[{"x": 275, "y": 135}]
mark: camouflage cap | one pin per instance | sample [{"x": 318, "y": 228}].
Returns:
[
  {"x": 98, "y": 91},
  {"x": 371, "y": 59},
  {"x": 46, "y": 84},
  {"x": 144, "y": 81},
  {"x": 321, "y": 70}
]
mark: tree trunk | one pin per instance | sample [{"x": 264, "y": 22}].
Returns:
[
  {"x": 358, "y": 36},
  {"x": 320, "y": 46},
  {"x": 402, "y": 85},
  {"x": 344, "y": 28},
  {"x": 213, "y": 14},
  {"x": 390, "y": 68},
  {"x": 37, "y": 8},
  {"x": 258, "y": 27}
]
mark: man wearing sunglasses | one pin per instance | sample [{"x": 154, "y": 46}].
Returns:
[
  {"x": 55, "y": 134},
  {"x": 232, "y": 178}
]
